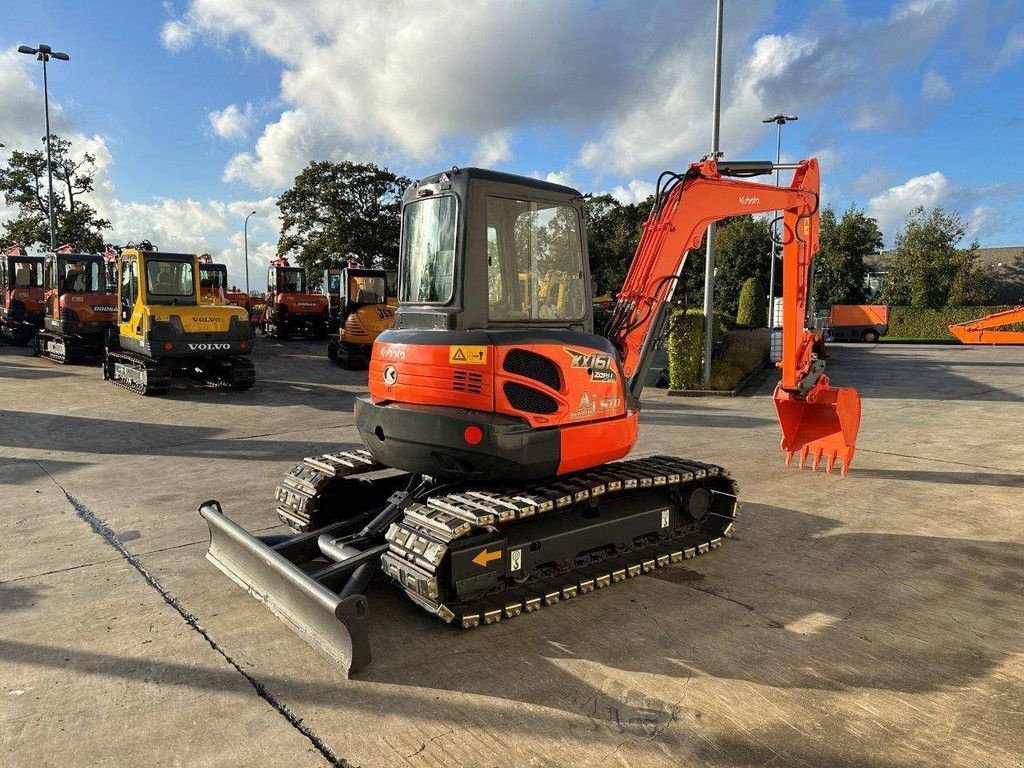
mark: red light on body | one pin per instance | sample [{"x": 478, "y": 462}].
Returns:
[
  {"x": 473, "y": 435},
  {"x": 244, "y": 345},
  {"x": 168, "y": 345}
]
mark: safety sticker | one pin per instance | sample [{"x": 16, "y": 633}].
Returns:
[{"x": 463, "y": 355}]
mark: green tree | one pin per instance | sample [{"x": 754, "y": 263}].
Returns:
[
  {"x": 927, "y": 269},
  {"x": 613, "y": 231},
  {"x": 743, "y": 247},
  {"x": 337, "y": 211},
  {"x": 753, "y": 305},
  {"x": 25, "y": 187},
  {"x": 839, "y": 266}
]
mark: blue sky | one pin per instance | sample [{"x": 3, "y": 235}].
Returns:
[{"x": 202, "y": 111}]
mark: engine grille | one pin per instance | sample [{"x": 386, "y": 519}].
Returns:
[
  {"x": 528, "y": 399},
  {"x": 464, "y": 381},
  {"x": 522, "y": 362}
]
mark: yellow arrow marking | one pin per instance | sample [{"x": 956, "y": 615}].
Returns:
[{"x": 485, "y": 557}]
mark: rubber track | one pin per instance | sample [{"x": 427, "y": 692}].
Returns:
[
  {"x": 150, "y": 365},
  {"x": 418, "y": 543}
]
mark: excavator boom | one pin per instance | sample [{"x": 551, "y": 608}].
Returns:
[
  {"x": 817, "y": 420},
  {"x": 991, "y": 329}
]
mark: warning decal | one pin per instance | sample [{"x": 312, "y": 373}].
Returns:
[{"x": 464, "y": 355}]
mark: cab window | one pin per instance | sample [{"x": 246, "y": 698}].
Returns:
[
  {"x": 535, "y": 261},
  {"x": 169, "y": 279},
  {"x": 428, "y": 251},
  {"x": 129, "y": 288}
]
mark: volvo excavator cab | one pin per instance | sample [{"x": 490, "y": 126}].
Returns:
[
  {"x": 489, "y": 485},
  {"x": 21, "y": 295},
  {"x": 165, "y": 331},
  {"x": 360, "y": 308},
  {"x": 79, "y": 310}
]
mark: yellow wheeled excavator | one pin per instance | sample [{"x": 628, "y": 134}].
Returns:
[
  {"x": 491, "y": 482},
  {"x": 165, "y": 331}
]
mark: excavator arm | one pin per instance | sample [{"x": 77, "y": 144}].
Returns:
[{"x": 817, "y": 420}]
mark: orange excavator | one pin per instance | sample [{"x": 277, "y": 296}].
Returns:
[
  {"x": 21, "y": 295},
  {"x": 79, "y": 309},
  {"x": 290, "y": 307},
  {"x": 1006, "y": 327},
  {"x": 213, "y": 285},
  {"x": 491, "y": 484}
]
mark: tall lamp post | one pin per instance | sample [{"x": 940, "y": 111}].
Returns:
[
  {"x": 709, "y": 257},
  {"x": 780, "y": 120},
  {"x": 245, "y": 241},
  {"x": 44, "y": 53}
]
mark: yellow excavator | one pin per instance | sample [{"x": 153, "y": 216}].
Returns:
[
  {"x": 361, "y": 310},
  {"x": 165, "y": 331}
]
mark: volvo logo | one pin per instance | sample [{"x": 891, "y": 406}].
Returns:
[
  {"x": 208, "y": 347},
  {"x": 390, "y": 376}
]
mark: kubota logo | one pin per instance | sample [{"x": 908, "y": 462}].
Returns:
[
  {"x": 208, "y": 346},
  {"x": 748, "y": 200}
]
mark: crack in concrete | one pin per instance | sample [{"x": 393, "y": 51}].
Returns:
[{"x": 104, "y": 531}]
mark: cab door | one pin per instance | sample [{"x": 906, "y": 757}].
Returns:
[{"x": 128, "y": 297}]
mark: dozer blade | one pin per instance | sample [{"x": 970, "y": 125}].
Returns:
[
  {"x": 334, "y": 624},
  {"x": 824, "y": 427}
]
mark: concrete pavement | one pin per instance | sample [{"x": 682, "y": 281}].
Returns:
[{"x": 871, "y": 620}]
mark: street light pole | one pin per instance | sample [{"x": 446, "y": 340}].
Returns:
[
  {"x": 780, "y": 120},
  {"x": 245, "y": 240},
  {"x": 709, "y": 258},
  {"x": 44, "y": 53}
]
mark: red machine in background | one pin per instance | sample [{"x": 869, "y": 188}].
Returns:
[
  {"x": 80, "y": 309},
  {"x": 489, "y": 485},
  {"x": 213, "y": 285},
  {"x": 290, "y": 307},
  {"x": 21, "y": 295}
]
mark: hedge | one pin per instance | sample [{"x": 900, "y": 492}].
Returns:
[
  {"x": 924, "y": 323},
  {"x": 753, "y": 307},
  {"x": 686, "y": 346}
]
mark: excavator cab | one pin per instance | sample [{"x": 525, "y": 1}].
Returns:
[
  {"x": 291, "y": 306},
  {"x": 164, "y": 330},
  {"x": 21, "y": 295},
  {"x": 359, "y": 301},
  {"x": 79, "y": 311}
]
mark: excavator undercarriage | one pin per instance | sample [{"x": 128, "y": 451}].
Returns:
[{"x": 468, "y": 553}]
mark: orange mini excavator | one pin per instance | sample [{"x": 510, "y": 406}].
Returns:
[
  {"x": 489, "y": 484},
  {"x": 79, "y": 309},
  {"x": 21, "y": 295}
]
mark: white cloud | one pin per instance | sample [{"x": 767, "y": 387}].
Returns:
[
  {"x": 493, "y": 149},
  {"x": 176, "y": 35},
  {"x": 1013, "y": 48},
  {"x": 232, "y": 122},
  {"x": 892, "y": 206},
  {"x": 934, "y": 86},
  {"x": 559, "y": 177},
  {"x": 636, "y": 191}
]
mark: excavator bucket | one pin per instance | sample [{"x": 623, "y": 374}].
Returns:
[
  {"x": 309, "y": 601},
  {"x": 822, "y": 425}
]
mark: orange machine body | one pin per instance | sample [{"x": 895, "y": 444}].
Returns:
[
  {"x": 290, "y": 306},
  {"x": 21, "y": 294},
  {"x": 858, "y": 322},
  {"x": 570, "y": 388},
  {"x": 1005, "y": 327},
  {"x": 76, "y": 297}
]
